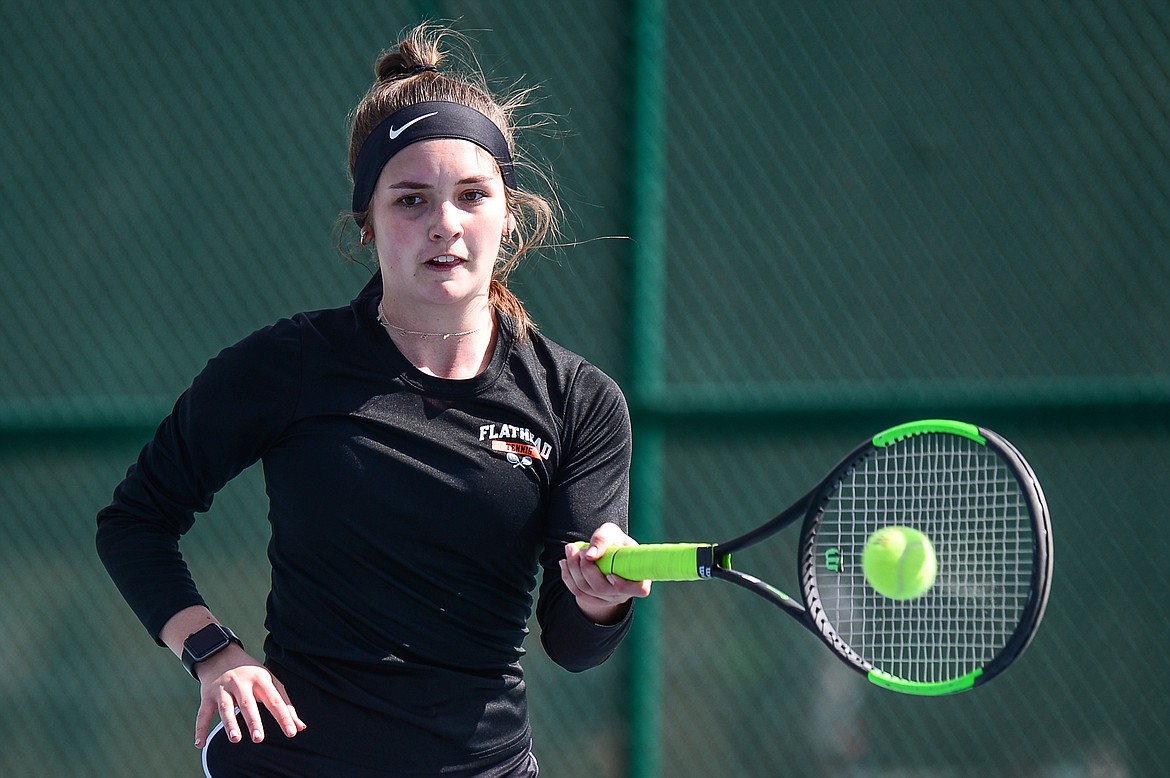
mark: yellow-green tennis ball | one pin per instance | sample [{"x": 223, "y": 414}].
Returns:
[{"x": 899, "y": 563}]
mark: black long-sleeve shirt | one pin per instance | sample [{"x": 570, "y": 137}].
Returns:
[{"x": 410, "y": 516}]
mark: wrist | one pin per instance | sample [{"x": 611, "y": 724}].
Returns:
[
  {"x": 205, "y": 643},
  {"x": 604, "y": 613},
  {"x": 229, "y": 659}
]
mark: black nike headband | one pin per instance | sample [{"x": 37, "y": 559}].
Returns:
[{"x": 423, "y": 121}]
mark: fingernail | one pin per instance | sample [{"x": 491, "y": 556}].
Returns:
[{"x": 257, "y": 736}]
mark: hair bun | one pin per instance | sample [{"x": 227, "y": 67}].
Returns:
[{"x": 394, "y": 66}]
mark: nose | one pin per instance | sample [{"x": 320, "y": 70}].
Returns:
[{"x": 448, "y": 222}]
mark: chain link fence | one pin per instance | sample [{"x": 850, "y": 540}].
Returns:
[{"x": 866, "y": 212}]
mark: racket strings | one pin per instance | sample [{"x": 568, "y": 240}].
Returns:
[{"x": 969, "y": 503}]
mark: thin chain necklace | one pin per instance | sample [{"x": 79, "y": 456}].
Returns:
[{"x": 424, "y": 335}]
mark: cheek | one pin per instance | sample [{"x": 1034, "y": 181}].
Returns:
[
  {"x": 488, "y": 248},
  {"x": 387, "y": 222},
  {"x": 493, "y": 228},
  {"x": 394, "y": 252},
  {"x": 393, "y": 236}
]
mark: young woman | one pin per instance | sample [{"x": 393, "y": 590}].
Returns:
[{"x": 427, "y": 452}]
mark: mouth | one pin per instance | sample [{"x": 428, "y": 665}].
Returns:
[{"x": 444, "y": 261}]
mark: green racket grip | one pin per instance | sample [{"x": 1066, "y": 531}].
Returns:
[{"x": 657, "y": 561}]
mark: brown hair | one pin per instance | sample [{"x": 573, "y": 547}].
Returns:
[{"x": 410, "y": 73}]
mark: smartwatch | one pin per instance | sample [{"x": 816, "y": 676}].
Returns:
[{"x": 206, "y": 643}]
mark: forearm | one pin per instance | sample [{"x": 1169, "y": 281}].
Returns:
[
  {"x": 183, "y": 624},
  {"x": 570, "y": 637},
  {"x": 143, "y": 560}
]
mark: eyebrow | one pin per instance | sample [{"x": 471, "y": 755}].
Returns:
[{"x": 420, "y": 185}]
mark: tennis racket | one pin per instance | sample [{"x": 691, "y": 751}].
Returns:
[{"x": 969, "y": 491}]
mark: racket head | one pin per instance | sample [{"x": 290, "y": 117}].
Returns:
[{"x": 975, "y": 496}]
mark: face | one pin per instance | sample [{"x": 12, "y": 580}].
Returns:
[{"x": 438, "y": 215}]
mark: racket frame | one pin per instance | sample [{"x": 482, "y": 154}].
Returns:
[
  {"x": 701, "y": 561},
  {"x": 811, "y": 507}
]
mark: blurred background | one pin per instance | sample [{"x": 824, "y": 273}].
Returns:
[{"x": 841, "y": 215}]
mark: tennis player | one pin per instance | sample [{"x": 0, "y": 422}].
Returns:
[{"x": 428, "y": 456}]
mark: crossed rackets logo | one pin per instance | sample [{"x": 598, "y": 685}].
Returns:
[
  {"x": 517, "y": 454},
  {"x": 524, "y": 461}
]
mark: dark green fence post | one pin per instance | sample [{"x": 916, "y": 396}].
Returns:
[{"x": 647, "y": 315}]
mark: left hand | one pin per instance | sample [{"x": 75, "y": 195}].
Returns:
[{"x": 603, "y": 599}]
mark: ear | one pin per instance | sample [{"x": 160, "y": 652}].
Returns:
[{"x": 509, "y": 225}]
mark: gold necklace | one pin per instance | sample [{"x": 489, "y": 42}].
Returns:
[{"x": 424, "y": 335}]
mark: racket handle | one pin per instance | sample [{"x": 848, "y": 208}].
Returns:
[{"x": 657, "y": 561}]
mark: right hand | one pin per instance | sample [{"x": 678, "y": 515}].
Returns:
[{"x": 233, "y": 678}]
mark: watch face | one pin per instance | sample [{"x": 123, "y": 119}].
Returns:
[{"x": 206, "y": 641}]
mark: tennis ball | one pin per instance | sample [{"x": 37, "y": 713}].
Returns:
[{"x": 899, "y": 563}]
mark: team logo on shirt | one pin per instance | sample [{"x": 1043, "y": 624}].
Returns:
[{"x": 517, "y": 444}]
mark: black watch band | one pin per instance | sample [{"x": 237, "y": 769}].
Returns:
[{"x": 206, "y": 643}]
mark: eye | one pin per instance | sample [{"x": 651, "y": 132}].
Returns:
[
  {"x": 474, "y": 195},
  {"x": 410, "y": 201}
]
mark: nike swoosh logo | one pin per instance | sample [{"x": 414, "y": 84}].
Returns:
[{"x": 396, "y": 131}]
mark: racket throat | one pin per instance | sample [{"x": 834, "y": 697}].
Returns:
[{"x": 709, "y": 557}]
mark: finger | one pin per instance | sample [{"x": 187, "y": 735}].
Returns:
[
  {"x": 589, "y": 575},
  {"x": 571, "y": 576},
  {"x": 598, "y": 543},
  {"x": 277, "y": 704},
  {"x": 203, "y": 721},
  {"x": 584, "y": 580},
  {"x": 280, "y": 688},
  {"x": 625, "y": 588},
  {"x": 587, "y": 580},
  {"x": 301, "y": 725},
  {"x": 573, "y": 550},
  {"x": 574, "y": 554},
  {"x": 250, "y": 710},
  {"x": 583, "y": 577},
  {"x": 609, "y": 534},
  {"x": 227, "y": 714}
]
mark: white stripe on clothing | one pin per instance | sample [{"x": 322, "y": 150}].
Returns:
[{"x": 214, "y": 732}]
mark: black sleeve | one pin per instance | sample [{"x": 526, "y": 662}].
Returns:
[
  {"x": 592, "y": 487},
  {"x": 233, "y": 410}
]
